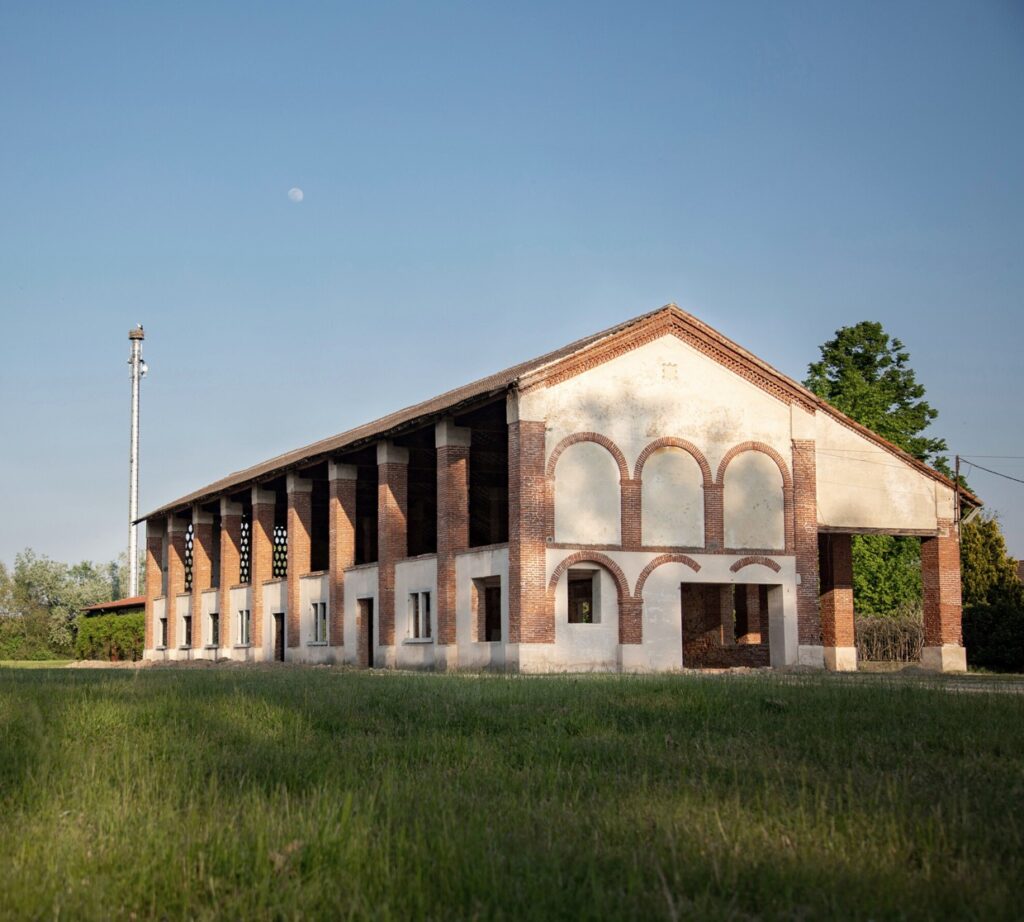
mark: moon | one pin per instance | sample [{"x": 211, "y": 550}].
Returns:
[{"x": 296, "y": 194}]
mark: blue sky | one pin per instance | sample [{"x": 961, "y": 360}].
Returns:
[{"x": 482, "y": 182}]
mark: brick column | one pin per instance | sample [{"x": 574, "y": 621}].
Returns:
[
  {"x": 726, "y": 615},
  {"x": 300, "y": 523},
  {"x": 836, "y": 577},
  {"x": 452, "y": 518},
  {"x": 202, "y": 569},
  {"x": 230, "y": 565},
  {"x": 531, "y": 617},
  {"x": 342, "y": 550},
  {"x": 261, "y": 555},
  {"x": 714, "y": 517},
  {"x": 753, "y": 633},
  {"x": 940, "y": 582},
  {"x": 805, "y": 545},
  {"x": 632, "y": 524},
  {"x": 392, "y": 531},
  {"x": 154, "y": 575},
  {"x": 176, "y": 529}
]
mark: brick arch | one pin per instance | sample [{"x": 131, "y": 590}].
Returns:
[
  {"x": 602, "y": 440},
  {"x": 670, "y": 442},
  {"x": 787, "y": 480},
  {"x": 659, "y": 561},
  {"x": 592, "y": 557},
  {"x": 751, "y": 561}
]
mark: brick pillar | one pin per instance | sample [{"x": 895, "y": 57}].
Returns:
[
  {"x": 202, "y": 569},
  {"x": 836, "y": 577},
  {"x": 452, "y": 518},
  {"x": 804, "y": 531},
  {"x": 531, "y": 617},
  {"x": 261, "y": 555},
  {"x": 176, "y": 529},
  {"x": 752, "y": 596},
  {"x": 940, "y": 582},
  {"x": 230, "y": 565},
  {"x": 726, "y": 611},
  {"x": 392, "y": 531},
  {"x": 342, "y": 550},
  {"x": 154, "y": 576},
  {"x": 300, "y": 523},
  {"x": 631, "y": 620},
  {"x": 714, "y": 517},
  {"x": 632, "y": 524}
]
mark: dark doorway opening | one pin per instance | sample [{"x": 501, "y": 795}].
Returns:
[
  {"x": 279, "y": 636},
  {"x": 366, "y": 633}
]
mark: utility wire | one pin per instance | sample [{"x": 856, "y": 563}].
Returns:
[{"x": 988, "y": 471}]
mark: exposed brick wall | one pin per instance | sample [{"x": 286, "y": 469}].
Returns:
[
  {"x": 202, "y": 570},
  {"x": 940, "y": 584},
  {"x": 230, "y": 565},
  {"x": 805, "y": 538},
  {"x": 706, "y": 608},
  {"x": 755, "y": 560},
  {"x": 261, "y": 553},
  {"x": 530, "y": 617},
  {"x": 342, "y": 537},
  {"x": 154, "y": 580},
  {"x": 392, "y": 531},
  {"x": 175, "y": 576},
  {"x": 714, "y": 518},
  {"x": 657, "y": 562},
  {"x": 836, "y": 577},
  {"x": 452, "y": 530},
  {"x": 632, "y": 514},
  {"x": 300, "y": 523}
]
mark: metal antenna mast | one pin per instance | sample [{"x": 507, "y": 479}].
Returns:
[{"x": 138, "y": 371}]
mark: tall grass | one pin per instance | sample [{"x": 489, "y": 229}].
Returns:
[{"x": 287, "y": 793}]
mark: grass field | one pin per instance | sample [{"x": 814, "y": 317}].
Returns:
[{"x": 287, "y": 793}]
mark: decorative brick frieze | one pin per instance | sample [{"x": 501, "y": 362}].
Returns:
[
  {"x": 261, "y": 556},
  {"x": 230, "y": 564},
  {"x": 755, "y": 559},
  {"x": 530, "y": 617},
  {"x": 804, "y": 517},
  {"x": 452, "y": 445},
  {"x": 660, "y": 561},
  {"x": 202, "y": 569},
  {"x": 342, "y": 537},
  {"x": 392, "y": 531},
  {"x": 300, "y": 523}
]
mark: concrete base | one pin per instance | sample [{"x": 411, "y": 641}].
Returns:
[
  {"x": 841, "y": 659},
  {"x": 808, "y": 655},
  {"x": 950, "y": 657}
]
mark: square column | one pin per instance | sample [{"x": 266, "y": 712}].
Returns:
[
  {"x": 230, "y": 565},
  {"x": 342, "y": 538},
  {"x": 300, "y": 522},
  {"x": 452, "y": 518},
  {"x": 392, "y": 531},
  {"x": 940, "y": 582},
  {"x": 154, "y": 575},
  {"x": 202, "y": 569},
  {"x": 176, "y": 532},
  {"x": 261, "y": 555},
  {"x": 836, "y": 577}
]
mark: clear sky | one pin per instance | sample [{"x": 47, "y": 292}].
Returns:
[{"x": 482, "y": 182}]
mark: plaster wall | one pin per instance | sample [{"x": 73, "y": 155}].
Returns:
[
  {"x": 588, "y": 502},
  {"x": 361, "y": 583},
  {"x": 673, "y": 499},
  {"x": 313, "y": 587},
  {"x": 240, "y": 599},
  {"x": 469, "y": 566},
  {"x": 753, "y": 503},
  {"x": 159, "y": 611},
  {"x": 418, "y": 574},
  {"x": 208, "y": 604},
  {"x": 182, "y": 609},
  {"x": 275, "y": 599}
]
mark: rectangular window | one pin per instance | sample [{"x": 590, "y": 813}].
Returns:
[
  {"x": 188, "y": 631},
  {"x": 581, "y": 596},
  {"x": 419, "y": 616},
  {"x": 319, "y": 622},
  {"x": 163, "y": 632},
  {"x": 244, "y": 626},
  {"x": 214, "y": 630}
]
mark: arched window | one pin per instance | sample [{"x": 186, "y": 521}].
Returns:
[
  {"x": 673, "y": 499},
  {"x": 587, "y": 496},
  {"x": 753, "y": 502}
]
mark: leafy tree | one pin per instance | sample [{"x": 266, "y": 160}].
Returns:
[
  {"x": 989, "y": 574},
  {"x": 867, "y": 375}
]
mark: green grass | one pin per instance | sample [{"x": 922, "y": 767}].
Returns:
[{"x": 287, "y": 793}]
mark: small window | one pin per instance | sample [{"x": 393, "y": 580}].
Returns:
[
  {"x": 188, "y": 631},
  {"x": 214, "y": 630},
  {"x": 319, "y": 622},
  {"x": 419, "y": 615},
  {"x": 581, "y": 597},
  {"x": 163, "y": 632},
  {"x": 244, "y": 626}
]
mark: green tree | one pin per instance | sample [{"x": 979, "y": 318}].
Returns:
[
  {"x": 989, "y": 574},
  {"x": 867, "y": 375}
]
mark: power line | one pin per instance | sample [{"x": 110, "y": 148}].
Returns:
[{"x": 989, "y": 471}]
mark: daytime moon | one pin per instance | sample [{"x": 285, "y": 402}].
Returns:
[{"x": 296, "y": 194}]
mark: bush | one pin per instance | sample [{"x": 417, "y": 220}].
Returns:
[
  {"x": 111, "y": 637},
  {"x": 889, "y": 639},
  {"x": 26, "y": 638},
  {"x": 994, "y": 636}
]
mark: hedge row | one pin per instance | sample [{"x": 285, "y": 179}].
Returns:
[
  {"x": 994, "y": 637},
  {"x": 111, "y": 637}
]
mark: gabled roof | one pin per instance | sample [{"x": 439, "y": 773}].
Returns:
[{"x": 549, "y": 369}]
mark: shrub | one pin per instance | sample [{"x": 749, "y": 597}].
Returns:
[
  {"x": 111, "y": 637},
  {"x": 889, "y": 639},
  {"x": 994, "y": 636}
]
